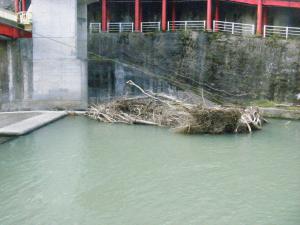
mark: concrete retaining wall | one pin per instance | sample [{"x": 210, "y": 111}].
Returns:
[{"x": 245, "y": 67}]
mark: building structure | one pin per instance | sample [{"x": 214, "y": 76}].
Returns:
[
  {"x": 56, "y": 64},
  {"x": 258, "y": 12}
]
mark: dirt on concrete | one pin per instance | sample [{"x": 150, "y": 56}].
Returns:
[{"x": 8, "y": 118}]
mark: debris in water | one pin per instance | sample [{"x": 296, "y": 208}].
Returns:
[{"x": 167, "y": 111}]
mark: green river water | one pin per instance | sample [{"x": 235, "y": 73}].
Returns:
[{"x": 80, "y": 172}]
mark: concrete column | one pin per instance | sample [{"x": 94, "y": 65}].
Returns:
[
  {"x": 104, "y": 16},
  {"x": 164, "y": 15},
  {"x": 173, "y": 15},
  {"x": 259, "y": 17},
  {"x": 137, "y": 15},
  {"x": 17, "y": 8},
  {"x": 60, "y": 60},
  {"x": 23, "y": 5},
  {"x": 208, "y": 15},
  {"x": 217, "y": 14},
  {"x": 11, "y": 74}
]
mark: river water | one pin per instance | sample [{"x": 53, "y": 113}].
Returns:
[{"x": 80, "y": 172}]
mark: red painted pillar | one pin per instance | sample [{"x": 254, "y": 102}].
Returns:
[
  {"x": 17, "y": 9},
  {"x": 217, "y": 14},
  {"x": 208, "y": 15},
  {"x": 173, "y": 15},
  {"x": 164, "y": 15},
  {"x": 104, "y": 16},
  {"x": 136, "y": 15},
  {"x": 23, "y": 5},
  {"x": 259, "y": 17}
]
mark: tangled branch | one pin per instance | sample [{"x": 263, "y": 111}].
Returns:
[{"x": 168, "y": 111}]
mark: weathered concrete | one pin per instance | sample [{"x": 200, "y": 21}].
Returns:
[
  {"x": 24, "y": 122},
  {"x": 7, "y": 4},
  {"x": 231, "y": 67},
  {"x": 281, "y": 113},
  {"x": 59, "y": 53},
  {"x": 15, "y": 74},
  {"x": 48, "y": 71},
  {"x": 8, "y": 118}
]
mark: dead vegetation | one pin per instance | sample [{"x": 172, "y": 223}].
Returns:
[{"x": 167, "y": 111}]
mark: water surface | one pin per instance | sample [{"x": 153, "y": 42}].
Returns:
[{"x": 79, "y": 172}]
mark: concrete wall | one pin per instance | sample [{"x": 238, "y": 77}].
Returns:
[
  {"x": 7, "y": 4},
  {"x": 16, "y": 74},
  {"x": 50, "y": 70},
  {"x": 229, "y": 67},
  {"x": 59, "y": 54}
]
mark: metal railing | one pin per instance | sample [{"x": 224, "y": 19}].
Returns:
[
  {"x": 95, "y": 27},
  {"x": 218, "y": 26},
  {"x": 186, "y": 25},
  {"x": 25, "y": 17},
  {"x": 281, "y": 31},
  {"x": 119, "y": 27},
  {"x": 150, "y": 26},
  {"x": 234, "y": 28}
]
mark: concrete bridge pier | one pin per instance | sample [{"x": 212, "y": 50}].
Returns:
[{"x": 59, "y": 54}]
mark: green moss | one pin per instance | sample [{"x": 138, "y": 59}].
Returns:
[
  {"x": 272, "y": 104},
  {"x": 212, "y": 36},
  {"x": 275, "y": 41},
  {"x": 294, "y": 108},
  {"x": 151, "y": 34},
  {"x": 263, "y": 103},
  {"x": 123, "y": 38}
]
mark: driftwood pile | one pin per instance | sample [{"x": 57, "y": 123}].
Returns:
[{"x": 166, "y": 111}]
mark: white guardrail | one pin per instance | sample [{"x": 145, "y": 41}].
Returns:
[
  {"x": 119, "y": 27},
  {"x": 95, "y": 27},
  {"x": 25, "y": 17},
  {"x": 150, "y": 26},
  {"x": 218, "y": 26},
  {"x": 281, "y": 31},
  {"x": 186, "y": 25},
  {"x": 20, "y": 17},
  {"x": 234, "y": 28}
]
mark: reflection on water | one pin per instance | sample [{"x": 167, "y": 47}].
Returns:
[{"x": 77, "y": 171}]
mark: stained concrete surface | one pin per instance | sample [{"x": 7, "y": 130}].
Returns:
[
  {"x": 281, "y": 113},
  {"x": 9, "y": 118},
  {"x": 20, "y": 123}
]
